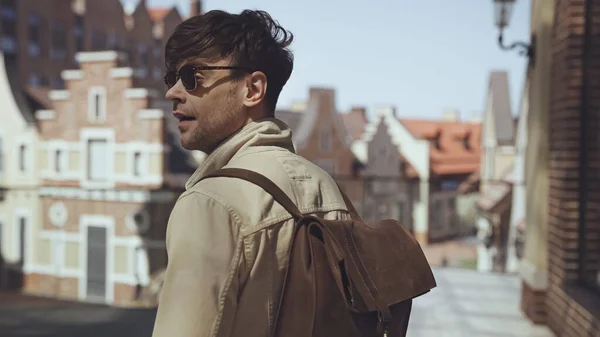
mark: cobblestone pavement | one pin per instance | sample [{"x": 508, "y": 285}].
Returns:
[
  {"x": 467, "y": 303},
  {"x": 464, "y": 304}
]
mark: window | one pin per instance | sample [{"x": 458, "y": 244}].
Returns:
[
  {"x": 22, "y": 158},
  {"x": 131, "y": 48},
  {"x": 97, "y": 160},
  {"x": 325, "y": 140},
  {"x": 400, "y": 212},
  {"x": 435, "y": 218},
  {"x": 35, "y": 80},
  {"x": 59, "y": 41},
  {"x": 97, "y": 104},
  {"x": 112, "y": 41},
  {"x": 465, "y": 142},
  {"x": 34, "y": 34},
  {"x": 58, "y": 161},
  {"x": 449, "y": 185},
  {"x": 137, "y": 164},
  {"x": 144, "y": 56},
  {"x": 157, "y": 73},
  {"x": 8, "y": 26},
  {"x": 98, "y": 40},
  {"x": 435, "y": 142},
  {"x": 157, "y": 50},
  {"x": 57, "y": 83},
  {"x": 78, "y": 32}
]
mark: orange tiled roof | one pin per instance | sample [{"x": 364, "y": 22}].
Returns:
[
  {"x": 459, "y": 144},
  {"x": 157, "y": 14}
]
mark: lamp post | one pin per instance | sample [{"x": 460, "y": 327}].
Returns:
[{"x": 503, "y": 11}]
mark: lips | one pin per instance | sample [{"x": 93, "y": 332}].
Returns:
[{"x": 182, "y": 117}]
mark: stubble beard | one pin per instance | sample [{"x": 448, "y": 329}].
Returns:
[{"x": 212, "y": 128}]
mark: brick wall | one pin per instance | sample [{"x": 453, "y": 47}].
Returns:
[
  {"x": 568, "y": 186},
  {"x": 533, "y": 304}
]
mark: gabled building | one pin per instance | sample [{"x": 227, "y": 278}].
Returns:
[
  {"x": 434, "y": 157},
  {"x": 19, "y": 175},
  {"x": 496, "y": 174},
  {"x": 454, "y": 154},
  {"x": 387, "y": 187},
  {"x": 112, "y": 169},
  {"x": 319, "y": 135}
]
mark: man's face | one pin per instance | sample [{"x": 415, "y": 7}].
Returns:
[{"x": 213, "y": 111}]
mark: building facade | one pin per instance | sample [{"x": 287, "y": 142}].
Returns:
[
  {"x": 111, "y": 168},
  {"x": 19, "y": 174},
  {"x": 496, "y": 174},
  {"x": 561, "y": 265},
  {"x": 46, "y": 35},
  {"x": 453, "y": 155}
]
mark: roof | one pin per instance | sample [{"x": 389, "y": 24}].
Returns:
[
  {"x": 355, "y": 122},
  {"x": 40, "y": 95},
  {"x": 321, "y": 100},
  {"x": 494, "y": 196},
  {"x": 158, "y": 14},
  {"x": 499, "y": 94},
  {"x": 459, "y": 148},
  {"x": 27, "y": 106}
]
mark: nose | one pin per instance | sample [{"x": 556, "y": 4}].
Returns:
[{"x": 177, "y": 93}]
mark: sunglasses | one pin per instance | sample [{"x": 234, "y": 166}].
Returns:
[{"x": 187, "y": 74}]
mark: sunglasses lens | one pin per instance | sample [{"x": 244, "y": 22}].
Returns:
[{"x": 188, "y": 77}]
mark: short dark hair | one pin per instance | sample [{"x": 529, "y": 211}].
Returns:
[{"x": 252, "y": 39}]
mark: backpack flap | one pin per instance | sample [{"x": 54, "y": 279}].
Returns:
[{"x": 376, "y": 261}]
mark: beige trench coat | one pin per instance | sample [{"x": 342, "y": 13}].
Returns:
[{"x": 227, "y": 239}]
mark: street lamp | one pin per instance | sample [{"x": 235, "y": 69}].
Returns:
[{"x": 503, "y": 11}]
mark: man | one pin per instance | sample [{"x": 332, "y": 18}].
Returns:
[{"x": 227, "y": 239}]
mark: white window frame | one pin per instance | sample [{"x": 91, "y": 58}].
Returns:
[
  {"x": 87, "y": 134},
  {"x": 324, "y": 134},
  {"x": 92, "y": 92}
]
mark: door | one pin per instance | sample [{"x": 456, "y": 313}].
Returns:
[
  {"x": 96, "y": 263},
  {"x": 22, "y": 239}
]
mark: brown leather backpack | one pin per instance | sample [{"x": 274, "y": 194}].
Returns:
[{"x": 345, "y": 277}]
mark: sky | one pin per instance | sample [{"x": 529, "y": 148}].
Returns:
[{"x": 423, "y": 57}]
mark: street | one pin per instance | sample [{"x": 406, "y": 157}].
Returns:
[{"x": 465, "y": 303}]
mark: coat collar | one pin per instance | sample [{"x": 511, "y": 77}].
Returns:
[{"x": 263, "y": 132}]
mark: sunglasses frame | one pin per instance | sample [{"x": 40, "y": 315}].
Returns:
[{"x": 195, "y": 69}]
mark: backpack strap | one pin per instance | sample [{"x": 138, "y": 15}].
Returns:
[
  {"x": 265, "y": 183},
  {"x": 274, "y": 190}
]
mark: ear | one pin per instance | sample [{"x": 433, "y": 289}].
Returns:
[{"x": 256, "y": 89}]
